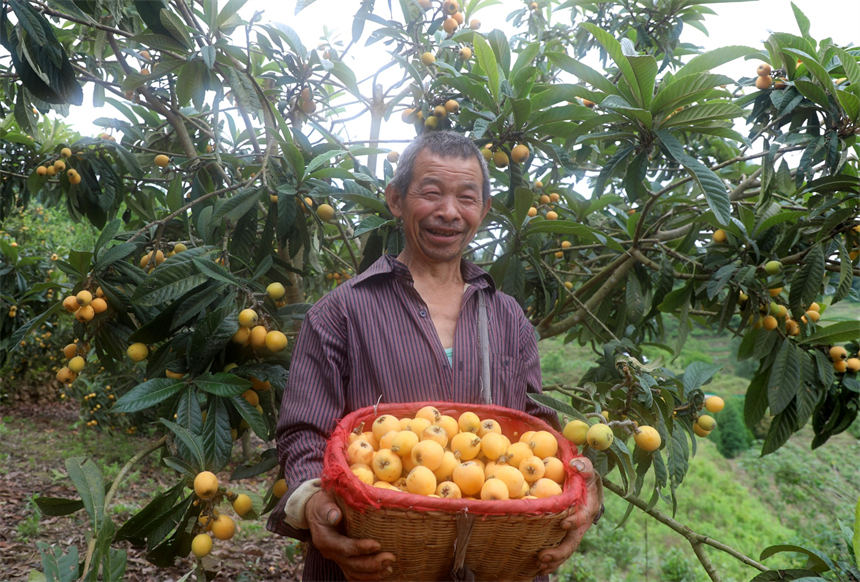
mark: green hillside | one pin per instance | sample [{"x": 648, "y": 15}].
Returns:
[{"x": 793, "y": 496}]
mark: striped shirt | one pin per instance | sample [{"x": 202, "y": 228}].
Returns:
[{"x": 372, "y": 340}]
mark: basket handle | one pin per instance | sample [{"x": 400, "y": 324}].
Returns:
[
  {"x": 484, "y": 344},
  {"x": 460, "y": 573}
]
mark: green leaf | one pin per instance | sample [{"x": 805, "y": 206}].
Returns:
[
  {"x": 846, "y": 275},
  {"x": 856, "y": 541},
  {"x": 813, "y": 66},
  {"x": 222, "y": 384},
  {"x": 802, "y": 20},
  {"x": 713, "y": 188},
  {"x": 89, "y": 483},
  {"x": 781, "y": 428},
  {"x": 620, "y": 105},
  {"x": 713, "y": 110},
  {"x": 217, "y": 441},
  {"x": 191, "y": 441},
  {"x": 816, "y": 561},
  {"x": 57, "y": 506},
  {"x": 171, "y": 279},
  {"x": 584, "y": 72},
  {"x": 230, "y": 9},
  {"x": 784, "y": 378},
  {"x": 147, "y": 394},
  {"x": 487, "y": 59},
  {"x": 850, "y": 66},
  {"x": 755, "y": 402},
  {"x": 645, "y": 69},
  {"x": 252, "y": 416},
  {"x": 807, "y": 281},
  {"x": 613, "y": 47},
  {"x": 139, "y": 525},
  {"x": 682, "y": 90},
  {"x": 812, "y": 92},
  {"x": 713, "y": 59},
  {"x": 568, "y": 227},
  {"x": 698, "y": 374},
  {"x": 842, "y": 331}
]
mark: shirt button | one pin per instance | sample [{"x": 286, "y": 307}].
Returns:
[{"x": 423, "y": 313}]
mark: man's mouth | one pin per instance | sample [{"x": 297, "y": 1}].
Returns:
[{"x": 443, "y": 232}]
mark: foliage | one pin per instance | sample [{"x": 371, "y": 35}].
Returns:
[{"x": 253, "y": 144}]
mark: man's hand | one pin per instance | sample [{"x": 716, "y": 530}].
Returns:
[
  {"x": 579, "y": 521},
  {"x": 359, "y": 559}
]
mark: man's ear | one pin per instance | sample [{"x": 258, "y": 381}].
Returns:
[{"x": 394, "y": 200}]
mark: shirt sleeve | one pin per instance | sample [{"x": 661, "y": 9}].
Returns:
[{"x": 313, "y": 400}]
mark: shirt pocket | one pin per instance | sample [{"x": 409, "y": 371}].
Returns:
[{"x": 507, "y": 385}]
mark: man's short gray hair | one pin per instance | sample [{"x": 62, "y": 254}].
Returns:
[{"x": 448, "y": 144}]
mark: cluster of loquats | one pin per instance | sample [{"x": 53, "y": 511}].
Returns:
[
  {"x": 498, "y": 155},
  {"x": 546, "y": 204},
  {"x": 253, "y": 333},
  {"x": 155, "y": 257},
  {"x": 210, "y": 521},
  {"x": 765, "y": 78},
  {"x": 75, "y": 354},
  {"x": 437, "y": 455},
  {"x": 85, "y": 305},
  {"x": 437, "y": 116},
  {"x": 58, "y": 167},
  {"x": 705, "y": 423},
  {"x": 842, "y": 363}
]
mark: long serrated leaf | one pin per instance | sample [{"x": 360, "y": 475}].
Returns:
[
  {"x": 222, "y": 384},
  {"x": 781, "y": 428},
  {"x": 713, "y": 59},
  {"x": 697, "y": 374},
  {"x": 487, "y": 59},
  {"x": 706, "y": 112},
  {"x": 89, "y": 483},
  {"x": 57, "y": 506},
  {"x": 613, "y": 47},
  {"x": 807, "y": 281},
  {"x": 584, "y": 72},
  {"x": 680, "y": 89},
  {"x": 836, "y": 332},
  {"x": 252, "y": 416},
  {"x": 712, "y": 186},
  {"x": 217, "y": 441},
  {"x": 755, "y": 402},
  {"x": 192, "y": 442},
  {"x": 784, "y": 378},
  {"x": 147, "y": 394},
  {"x": 846, "y": 275}
]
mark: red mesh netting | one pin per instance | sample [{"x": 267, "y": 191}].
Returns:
[{"x": 338, "y": 477}]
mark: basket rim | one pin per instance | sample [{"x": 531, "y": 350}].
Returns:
[{"x": 339, "y": 479}]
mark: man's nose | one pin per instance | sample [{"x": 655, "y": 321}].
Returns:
[{"x": 447, "y": 208}]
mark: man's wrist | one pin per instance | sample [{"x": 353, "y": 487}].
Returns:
[{"x": 294, "y": 510}]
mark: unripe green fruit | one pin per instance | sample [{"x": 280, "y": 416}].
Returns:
[
  {"x": 772, "y": 267},
  {"x": 575, "y": 432},
  {"x": 600, "y": 437}
]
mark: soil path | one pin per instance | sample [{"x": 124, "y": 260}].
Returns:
[{"x": 34, "y": 440}]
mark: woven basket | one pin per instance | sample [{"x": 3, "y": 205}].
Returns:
[{"x": 433, "y": 538}]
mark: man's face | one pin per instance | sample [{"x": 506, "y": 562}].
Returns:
[{"x": 442, "y": 209}]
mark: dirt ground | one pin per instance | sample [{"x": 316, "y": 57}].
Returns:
[{"x": 33, "y": 438}]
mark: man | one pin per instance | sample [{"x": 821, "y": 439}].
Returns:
[{"x": 406, "y": 329}]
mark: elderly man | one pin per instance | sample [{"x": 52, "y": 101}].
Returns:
[{"x": 407, "y": 329}]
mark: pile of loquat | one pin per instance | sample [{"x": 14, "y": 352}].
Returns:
[{"x": 437, "y": 455}]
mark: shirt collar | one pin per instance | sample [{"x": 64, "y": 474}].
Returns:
[{"x": 388, "y": 265}]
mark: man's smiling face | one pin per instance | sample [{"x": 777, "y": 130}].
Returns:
[{"x": 442, "y": 208}]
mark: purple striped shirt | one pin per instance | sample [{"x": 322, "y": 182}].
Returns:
[{"x": 372, "y": 340}]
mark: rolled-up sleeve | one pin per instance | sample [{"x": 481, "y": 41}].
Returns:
[{"x": 313, "y": 400}]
